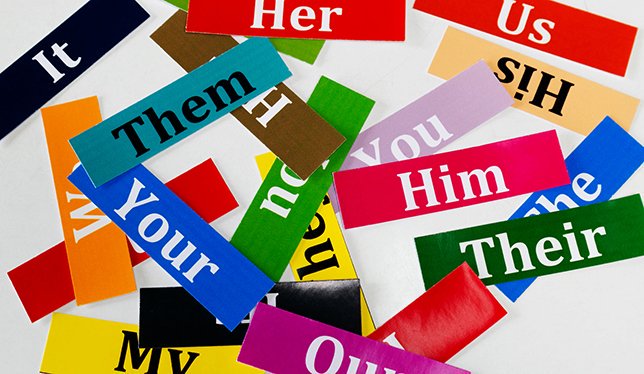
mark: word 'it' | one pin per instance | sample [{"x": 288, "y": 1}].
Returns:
[
  {"x": 299, "y": 14},
  {"x": 58, "y": 51},
  {"x": 448, "y": 185},
  {"x": 193, "y": 109},
  {"x": 543, "y": 250},
  {"x": 541, "y": 26},
  {"x": 542, "y": 90}
]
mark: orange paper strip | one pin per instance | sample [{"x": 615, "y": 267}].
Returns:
[{"x": 97, "y": 250}]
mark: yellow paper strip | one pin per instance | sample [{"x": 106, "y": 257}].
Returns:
[{"x": 540, "y": 89}]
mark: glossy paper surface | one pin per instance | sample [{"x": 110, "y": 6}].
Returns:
[
  {"x": 281, "y": 342},
  {"x": 273, "y": 226},
  {"x": 170, "y": 317},
  {"x": 183, "y": 244},
  {"x": 598, "y": 167},
  {"x": 445, "y": 319},
  {"x": 549, "y": 26},
  {"x": 544, "y": 244},
  {"x": 383, "y": 193},
  {"x": 555, "y": 95},
  {"x": 87, "y": 35},
  {"x": 115, "y": 145}
]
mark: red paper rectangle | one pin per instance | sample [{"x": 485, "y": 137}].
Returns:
[
  {"x": 308, "y": 19},
  {"x": 549, "y": 26},
  {"x": 376, "y": 194},
  {"x": 44, "y": 283},
  {"x": 444, "y": 319}
]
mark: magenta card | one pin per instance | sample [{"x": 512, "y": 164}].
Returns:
[
  {"x": 281, "y": 342},
  {"x": 431, "y": 122}
]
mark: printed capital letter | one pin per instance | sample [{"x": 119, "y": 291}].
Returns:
[
  {"x": 132, "y": 199},
  {"x": 133, "y": 137},
  {"x": 48, "y": 66},
  {"x": 479, "y": 256},
  {"x": 131, "y": 341},
  {"x": 312, "y": 353},
  {"x": 278, "y": 14},
  {"x": 505, "y": 13},
  {"x": 100, "y": 220},
  {"x": 271, "y": 110},
  {"x": 428, "y": 187},
  {"x": 560, "y": 97}
]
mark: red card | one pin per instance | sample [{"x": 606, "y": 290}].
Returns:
[
  {"x": 545, "y": 25},
  {"x": 450, "y": 180},
  {"x": 44, "y": 283},
  {"x": 309, "y": 19},
  {"x": 445, "y": 319}
]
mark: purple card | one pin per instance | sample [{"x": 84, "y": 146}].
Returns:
[
  {"x": 431, "y": 122},
  {"x": 282, "y": 342}
]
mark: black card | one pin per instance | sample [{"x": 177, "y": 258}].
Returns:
[{"x": 170, "y": 317}]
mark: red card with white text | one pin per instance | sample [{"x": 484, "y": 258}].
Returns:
[
  {"x": 44, "y": 283},
  {"x": 444, "y": 181},
  {"x": 546, "y": 25},
  {"x": 444, "y": 319},
  {"x": 302, "y": 19}
]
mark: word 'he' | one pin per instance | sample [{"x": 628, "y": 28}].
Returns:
[
  {"x": 336, "y": 361},
  {"x": 540, "y": 25},
  {"x": 297, "y": 16},
  {"x": 58, "y": 51},
  {"x": 448, "y": 186},
  {"x": 543, "y": 248},
  {"x": 153, "y": 220},
  {"x": 542, "y": 90}
]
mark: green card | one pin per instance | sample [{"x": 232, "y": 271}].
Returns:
[
  {"x": 283, "y": 207},
  {"x": 538, "y": 245},
  {"x": 306, "y": 50}
]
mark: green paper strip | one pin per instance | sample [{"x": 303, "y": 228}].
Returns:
[
  {"x": 602, "y": 233},
  {"x": 306, "y": 50},
  {"x": 271, "y": 229}
]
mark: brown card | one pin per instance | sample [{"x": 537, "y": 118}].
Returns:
[{"x": 278, "y": 118}]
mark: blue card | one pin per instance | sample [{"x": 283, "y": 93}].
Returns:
[
  {"x": 193, "y": 253},
  {"x": 598, "y": 167},
  {"x": 178, "y": 110},
  {"x": 63, "y": 55}
]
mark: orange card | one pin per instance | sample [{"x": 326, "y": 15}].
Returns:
[{"x": 97, "y": 250}]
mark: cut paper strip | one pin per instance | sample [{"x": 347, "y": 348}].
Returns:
[
  {"x": 86, "y": 345},
  {"x": 178, "y": 110},
  {"x": 44, "y": 283},
  {"x": 310, "y": 19},
  {"x": 598, "y": 167},
  {"x": 170, "y": 317},
  {"x": 97, "y": 250},
  {"x": 278, "y": 118},
  {"x": 449, "y": 180},
  {"x": 545, "y": 25},
  {"x": 284, "y": 205},
  {"x": 538, "y": 245},
  {"x": 282, "y": 342},
  {"x": 322, "y": 253},
  {"x": 63, "y": 55},
  {"x": 539, "y": 89},
  {"x": 305, "y": 50},
  {"x": 206, "y": 265},
  {"x": 444, "y": 319}
]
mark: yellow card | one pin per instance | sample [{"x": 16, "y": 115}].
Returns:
[
  {"x": 97, "y": 252},
  {"x": 86, "y": 345},
  {"x": 322, "y": 254},
  {"x": 540, "y": 89}
]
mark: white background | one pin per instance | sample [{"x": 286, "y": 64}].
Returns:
[{"x": 587, "y": 321}]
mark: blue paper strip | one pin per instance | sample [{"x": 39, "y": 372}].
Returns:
[
  {"x": 179, "y": 109},
  {"x": 63, "y": 55},
  {"x": 193, "y": 253},
  {"x": 598, "y": 167}
]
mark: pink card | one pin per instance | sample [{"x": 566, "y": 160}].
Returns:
[
  {"x": 450, "y": 180},
  {"x": 281, "y": 342}
]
